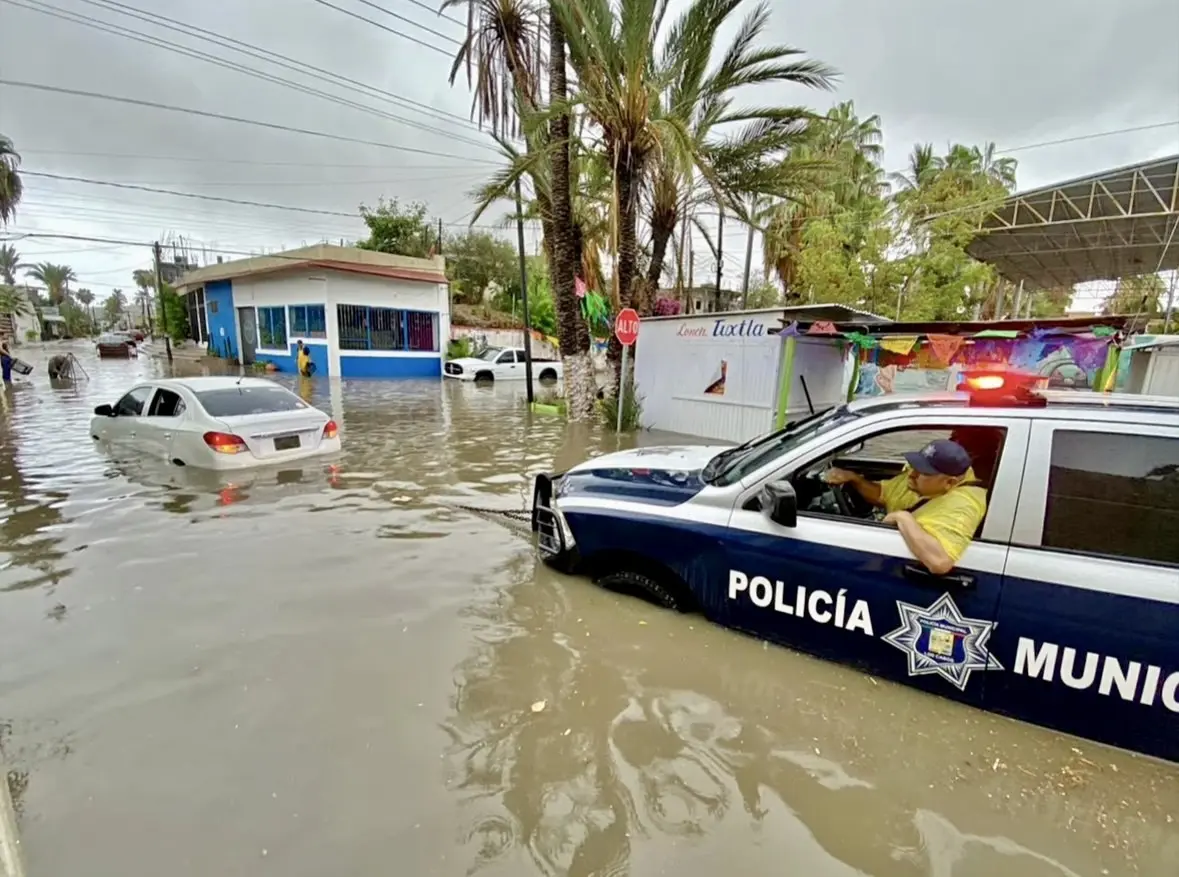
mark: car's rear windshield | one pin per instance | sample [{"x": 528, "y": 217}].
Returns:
[{"x": 236, "y": 401}]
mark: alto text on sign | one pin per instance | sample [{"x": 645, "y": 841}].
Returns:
[{"x": 626, "y": 326}]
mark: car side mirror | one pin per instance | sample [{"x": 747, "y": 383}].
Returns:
[
  {"x": 779, "y": 503},
  {"x": 104, "y": 411}
]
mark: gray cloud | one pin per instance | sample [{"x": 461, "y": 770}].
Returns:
[{"x": 1013, "y": 73}]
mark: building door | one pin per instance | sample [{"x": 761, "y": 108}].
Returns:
[{"x": 248, "y": 321}]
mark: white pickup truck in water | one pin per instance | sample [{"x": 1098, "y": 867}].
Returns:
[{"x": 501, "y": 364}]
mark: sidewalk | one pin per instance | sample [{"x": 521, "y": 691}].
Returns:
[{"x": 183, "y": 353}]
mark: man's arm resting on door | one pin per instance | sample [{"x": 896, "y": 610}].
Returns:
[
  {"x": 924, "y": 545},
  {"x": 941, "y": 538}
]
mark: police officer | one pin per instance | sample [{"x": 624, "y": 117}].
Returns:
[{"x": 936, "y": 503}]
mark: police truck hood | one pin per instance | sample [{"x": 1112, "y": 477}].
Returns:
[
  {"x": 685, "y": 458},
  {"x": 658, "y": 476}
]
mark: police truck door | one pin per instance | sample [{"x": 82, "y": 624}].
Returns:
[
  {"x": 1088, "y": 631},
  {"x": 847, "y": 588}
]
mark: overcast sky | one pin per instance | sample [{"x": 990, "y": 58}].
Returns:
[{"x": 1016, "y": 73}]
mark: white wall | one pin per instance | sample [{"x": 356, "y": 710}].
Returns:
[
  {"x": 332, "y": 288},
  {"x": 677, "y": 359},
  {"x": 504, "y": 338}
]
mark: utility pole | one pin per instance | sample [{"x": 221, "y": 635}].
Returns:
[
  {"x": 1170, "y": 303},
  {"x": 523, "y": 291},
  {"x": 720, "y": 261},
  {"x": 155, "y": 251},
  {"x": 748, "y": 265},
  {"x": 691, "y": 266},
  {"x": 439, "y": 235}
]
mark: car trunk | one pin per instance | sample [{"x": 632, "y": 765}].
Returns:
[{"x": 278, "y": 433}]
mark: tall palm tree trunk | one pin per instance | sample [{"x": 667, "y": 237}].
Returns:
[
  {"x": 630, "y": 285},
  {"x": 580, "y": 385}
]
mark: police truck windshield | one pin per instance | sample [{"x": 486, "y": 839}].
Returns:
[{"x": 733, "y": 464}]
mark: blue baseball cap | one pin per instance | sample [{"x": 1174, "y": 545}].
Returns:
[{"x": 941, "y": 457}]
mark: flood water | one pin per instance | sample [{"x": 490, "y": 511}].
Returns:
[{"x": 337, "y": 672}]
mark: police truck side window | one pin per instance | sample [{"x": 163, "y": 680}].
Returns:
[{"x": 1115, "y": 495}]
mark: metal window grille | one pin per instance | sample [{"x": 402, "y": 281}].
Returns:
[{"x": 365, "y": 328}]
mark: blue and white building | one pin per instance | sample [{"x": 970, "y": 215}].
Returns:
[{"x": 361, "y": 314}]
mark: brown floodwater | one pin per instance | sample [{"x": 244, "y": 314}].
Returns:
[{"x": 334, "y": 671}]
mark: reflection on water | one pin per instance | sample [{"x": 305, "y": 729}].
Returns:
[{"x": 333, "y": 669}]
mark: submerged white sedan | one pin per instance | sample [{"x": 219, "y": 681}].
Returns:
[{"x": 215, "y": 423}]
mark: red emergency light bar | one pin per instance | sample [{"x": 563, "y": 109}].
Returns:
[{"x": 991, "y": 387}]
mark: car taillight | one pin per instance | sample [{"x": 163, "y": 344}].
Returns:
[
  {"x": 330, "y": 430},
  {"x": 225, "y": 443}
]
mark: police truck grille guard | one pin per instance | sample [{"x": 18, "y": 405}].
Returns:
[{"x": 544, "y": 519}]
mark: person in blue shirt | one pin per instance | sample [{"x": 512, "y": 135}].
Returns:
[{"x": 5, "y": 362}]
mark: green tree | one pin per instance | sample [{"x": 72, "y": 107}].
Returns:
[
  {"x": 55, "y": 278},
  {"x": 175, "y": 312},
  {"x": 13, "y": 302},
  {"x": 475, "y": 260},
  {"x": 9, "y": 263},
  {"x": 400, "y": 231},
  {"x": 11, "y": 187},
  {"x": 1140, "y": 296},
  {"x": 113, "y": 306},
  {"x": 86, "y": 299},
  {"x": 625, "y": 59}
]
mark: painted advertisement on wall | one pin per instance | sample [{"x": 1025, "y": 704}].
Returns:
[{"x": 730, "y": 359}]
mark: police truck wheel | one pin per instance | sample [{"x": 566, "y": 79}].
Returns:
[{"x": 646, "y": 588}]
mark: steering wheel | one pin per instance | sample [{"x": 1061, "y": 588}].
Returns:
[{"x": 839, "y": 491}]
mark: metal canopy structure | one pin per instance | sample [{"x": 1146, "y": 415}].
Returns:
[{"x": 1121, "y": 223}]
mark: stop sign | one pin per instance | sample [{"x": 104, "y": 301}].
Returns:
[{"x": 626, "y": 326}]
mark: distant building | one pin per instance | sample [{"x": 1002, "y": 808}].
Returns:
[
  {"x": 704, "y": 299},
  {"x": 360, "y": 313}
]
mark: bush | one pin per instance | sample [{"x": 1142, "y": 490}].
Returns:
[
  {"x": 551, "y": 397},
  {"x": 32, "y": 335},
  {"x": 458, "y": 348},
  {"x": 632, "y": 410}
]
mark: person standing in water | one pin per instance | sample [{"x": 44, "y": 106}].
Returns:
[
  {"x": 303, "y": 360},
  {"x": 5, "y": 362}
]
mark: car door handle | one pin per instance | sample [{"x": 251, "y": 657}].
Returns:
[
  {"x": 919, "y": 575},
  {"x": 167, "y": 435}
]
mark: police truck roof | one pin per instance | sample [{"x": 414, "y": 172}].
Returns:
[{"x": 1066, "y": 403}]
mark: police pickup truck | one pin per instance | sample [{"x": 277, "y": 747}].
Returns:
[{"x": 1063, "y": 611}]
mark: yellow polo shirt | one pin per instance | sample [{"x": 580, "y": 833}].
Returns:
[
  {"x": 304, "y": 358},
  {"x": 951, "y": 518}
]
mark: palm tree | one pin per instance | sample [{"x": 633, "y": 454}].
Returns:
[
  {"x": 10, "y": 183},
  {"x": 503, "y": 45},
  {"x": 86, "y": 298},
  {"x": 55, "y": 278},
  {"x": 9, "y": 263},
  {"x": 839, "y": 176},
  {"x": 621, "y": 82}
]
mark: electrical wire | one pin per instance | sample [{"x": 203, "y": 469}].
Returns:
[
  {"x": 228, "y": 161},
  {"x": 177, "y": 48},
  {"x": 253, "y": 51},
  {"x": 392, "y": 30},
  {"x": 274, "y": 126}
]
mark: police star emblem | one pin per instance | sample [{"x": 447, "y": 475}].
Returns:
[{"x": 941, "y": 641}]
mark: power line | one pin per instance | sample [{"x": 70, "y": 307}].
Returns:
[
  {"x": 178, "y": 194},
  {"x": 178, "y": 48},
  {"x": 35, "y": 86},
  {"x": 1081, "y": 137},
  {"x": 439, "y": 13},
  {"x": 227, "y": 161},
  {"x": 391, "y": 30},
  {"x": 268, "y": 55}
]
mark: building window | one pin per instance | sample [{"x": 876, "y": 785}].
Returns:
[
  {"x": 365, "y": 328},
  {"x": 1114, "y": 494},
  {"x": 272, "y": 328},
  {"x": 308, "y": 321}
]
